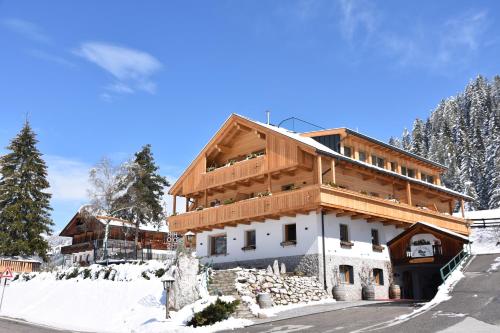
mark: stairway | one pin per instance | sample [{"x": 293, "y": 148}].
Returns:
[{"x": 221, "y": 283}]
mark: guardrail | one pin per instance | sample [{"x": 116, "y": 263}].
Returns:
[
  {"x": 447, "y": 269},
  {"x": 485, "y": 223}
]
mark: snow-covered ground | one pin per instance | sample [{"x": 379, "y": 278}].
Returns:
[
  {"x": 130, "y": 303},
  {"x": 485, "y": 240}
]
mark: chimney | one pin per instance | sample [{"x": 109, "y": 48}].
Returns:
[{"x": 268, "y": 113}]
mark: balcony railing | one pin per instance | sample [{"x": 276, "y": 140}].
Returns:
[
  {"x": 309, "y": 198},
  {"x": 254, "y": 209},
  {"x": 233, "y": 173}
]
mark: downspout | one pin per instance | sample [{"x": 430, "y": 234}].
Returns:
[{"x": 323, "y": 244}]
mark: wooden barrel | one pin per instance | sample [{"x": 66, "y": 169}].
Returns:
[
  {"x": 368, "y": 293},
  {"x": 264, "y": 300},
  {"x": 339, "y": 293},
  {"x": 394, "y": 291}
]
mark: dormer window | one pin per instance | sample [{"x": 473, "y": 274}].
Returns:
[
  {"x": 378, "y": 161},
  {"x": 408, "y": 172},
  {"x": 427, "y": 178},
  {"x": 347, "y": 151},
  {"x": 362, "y": 156}
]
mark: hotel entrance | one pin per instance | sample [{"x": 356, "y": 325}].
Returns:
[{"x": 417, "y": 255}]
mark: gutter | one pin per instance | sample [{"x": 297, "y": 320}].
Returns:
[{"x": 323, "y": 244}]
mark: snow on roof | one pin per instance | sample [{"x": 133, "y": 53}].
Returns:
[
  {"x": 113, "y": 221},
  {"x": 483, "y": 214},
  {"x": 315, "y": 144},
  {"x": 433, "y": 226},
  {"x": 22, "y": 258}
]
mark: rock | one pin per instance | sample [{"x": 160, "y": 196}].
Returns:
[
  {"x": 269, "y": 279},
  {"x": 262, "y": 315},
  {"x": 269, "y": 270},
  {"x": 283, "y": 268},
  {"x": 185, "y": 287},
  {"x": 276, "y": 268}
]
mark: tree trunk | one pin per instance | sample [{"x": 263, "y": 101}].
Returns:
[{"x": 136, "y": 239}]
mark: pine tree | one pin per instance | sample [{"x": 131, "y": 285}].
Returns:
[
  {"x": 143, "y": 190},
  {"x": 417, "y": 140},
  {"x": 24, "y": 204},
  {"x": 406, "y": 140},
  {"x": 393, "y": 141}
]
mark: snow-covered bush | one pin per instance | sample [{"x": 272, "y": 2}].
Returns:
[{"x": 215, "y": 312}]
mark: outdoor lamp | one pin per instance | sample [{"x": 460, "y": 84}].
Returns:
[
  {"x": 189, "y": 238},
  {"x": 167, "y": 281}
]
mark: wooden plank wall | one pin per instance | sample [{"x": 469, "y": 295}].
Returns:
[{"x": 19, "y": 266}]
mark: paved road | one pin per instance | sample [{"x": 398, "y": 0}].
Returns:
[
  {"x": 17, "y": 326},
  {"x": 473, "y": 308}
]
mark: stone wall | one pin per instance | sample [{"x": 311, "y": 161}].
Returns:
[
  {"x": 283, "y": 288},
  {"x": 354, "y": 290}
]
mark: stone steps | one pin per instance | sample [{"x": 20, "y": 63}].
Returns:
[{"x": 223, "y": 283}]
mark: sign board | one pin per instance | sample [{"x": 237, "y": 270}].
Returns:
[
  {"x": 7, "y": 274},
  {"x": 421, "y": 251}
]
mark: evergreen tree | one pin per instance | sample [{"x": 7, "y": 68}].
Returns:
[
  {"x": 417, "y": 140},
  {"x": 406, "y": 140},
  {"x": 143, "y": 190},
  {"x": 393, "y": 141},
  {"x": 24, "y": 204}
]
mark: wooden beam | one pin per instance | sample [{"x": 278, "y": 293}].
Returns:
[
  {"x": 345, "y": 214},
  {"x": 462, "y": 209},
  {"x": 450, "y": 207},
  {"x": 174, "y": 204},
  {"x": 333, "y": 170},
  {"x": 408, "y": 193},
  {"x": 319, "y": 169}
]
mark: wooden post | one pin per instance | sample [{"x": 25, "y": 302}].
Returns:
[
  {"x": 187, "y": 204},
  {"x": 408, "y": 193},
  {"x": 320, "y": 171},
  {"x": 450, "y": 206},
  {"x": 333, "y": 171},
  {"x": 462, "y": 209},
  {"x": 206, "y": 199},
  {"x": 174, "y": 204},
  {"x": 269, "y": 188}
]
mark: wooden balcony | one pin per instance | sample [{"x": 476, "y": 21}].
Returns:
[
  {"x": 255, "y": 209},
  {"x": 233, "y": 173},
  {"x": 343, "y": 201},
  {"x": 331, "y": 199}
]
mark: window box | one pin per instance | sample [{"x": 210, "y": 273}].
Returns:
[
  {"x": 377, "y": 248},
  {"x": 289, "y": 243},
  {"x": 248, "y": 248},
  {"x": 345, "y": 244}
]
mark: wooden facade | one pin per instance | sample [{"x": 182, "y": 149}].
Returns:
[
  {"x": 19, "y": 266},
  {"x": 251, "y": 172}
]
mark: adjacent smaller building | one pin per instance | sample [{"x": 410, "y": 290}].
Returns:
[{"x": 90, "y": 234}]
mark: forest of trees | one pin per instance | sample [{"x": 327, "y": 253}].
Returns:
[{"x": 463, "y": 133}]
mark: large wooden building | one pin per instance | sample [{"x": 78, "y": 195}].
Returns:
[
  {"x": 99, "y": 238},
  {"x": 321, "y": 202}
]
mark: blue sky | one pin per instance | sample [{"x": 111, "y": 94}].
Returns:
[{"x": 104, "y": 78}]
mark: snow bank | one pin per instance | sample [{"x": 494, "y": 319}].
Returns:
[
  {"x": 130, "y": 303},
  {"x": 485, "y": 240}
]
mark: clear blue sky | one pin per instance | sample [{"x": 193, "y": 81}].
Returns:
[{"x": 106, "y": 77}]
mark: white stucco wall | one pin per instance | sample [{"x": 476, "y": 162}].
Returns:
[
  {"x": 360, "y": 235},
  {"x": 269, "y": 235}
]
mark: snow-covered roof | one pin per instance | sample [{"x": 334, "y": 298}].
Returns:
[
  {"x": 113, "y": 221},
  {"x": 483, "y": 214},
  {"x": 326, "y": 150},
  {"x": 447, "y": 231},
  {"x": 22, "y": 258}
]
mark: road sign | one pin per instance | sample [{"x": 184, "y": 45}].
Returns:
[{"x": 7, "y": 274}]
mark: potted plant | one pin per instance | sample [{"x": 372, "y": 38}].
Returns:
[
  {"x": 339, "y": 292},
  {"x": 394, "y": 289},
  {"x": 228, "y": 201},
  {"x": 366, "y": 277}
]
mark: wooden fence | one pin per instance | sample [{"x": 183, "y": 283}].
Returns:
[{"x": 19, "y": 266}]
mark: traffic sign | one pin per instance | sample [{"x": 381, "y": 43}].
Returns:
[{"x": 7, "y": 274}]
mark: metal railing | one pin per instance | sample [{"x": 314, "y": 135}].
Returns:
[
  {"x": 485, "y": 223},
  {"x": 447, "y": 269}
]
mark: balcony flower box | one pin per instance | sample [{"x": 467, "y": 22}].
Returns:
[{"x": 248, "y": 248}]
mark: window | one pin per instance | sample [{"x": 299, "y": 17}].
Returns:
[
  {"x": 218, "y": 245},
  {"x": 375, "y": 239},
  {"x": 250, "y": 239},
  {"x": 427, "y": 178},
  {"x": 408, "y": 172},
  {"x": 346, "y": 274},
  {"x": 378, "y": 161},
  {"x": 378, "y": 276},
  {"x": 288, "y": 187},
  {"x": 362, "y": 156},
  {"x": 347, "y": 151},
  {"x": 394, "y": 166},
  {"x": 291, "y": 233},
  {"x": 344, "y": 233}
]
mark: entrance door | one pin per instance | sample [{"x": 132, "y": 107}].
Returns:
[{"x": 407, "y": 285}]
